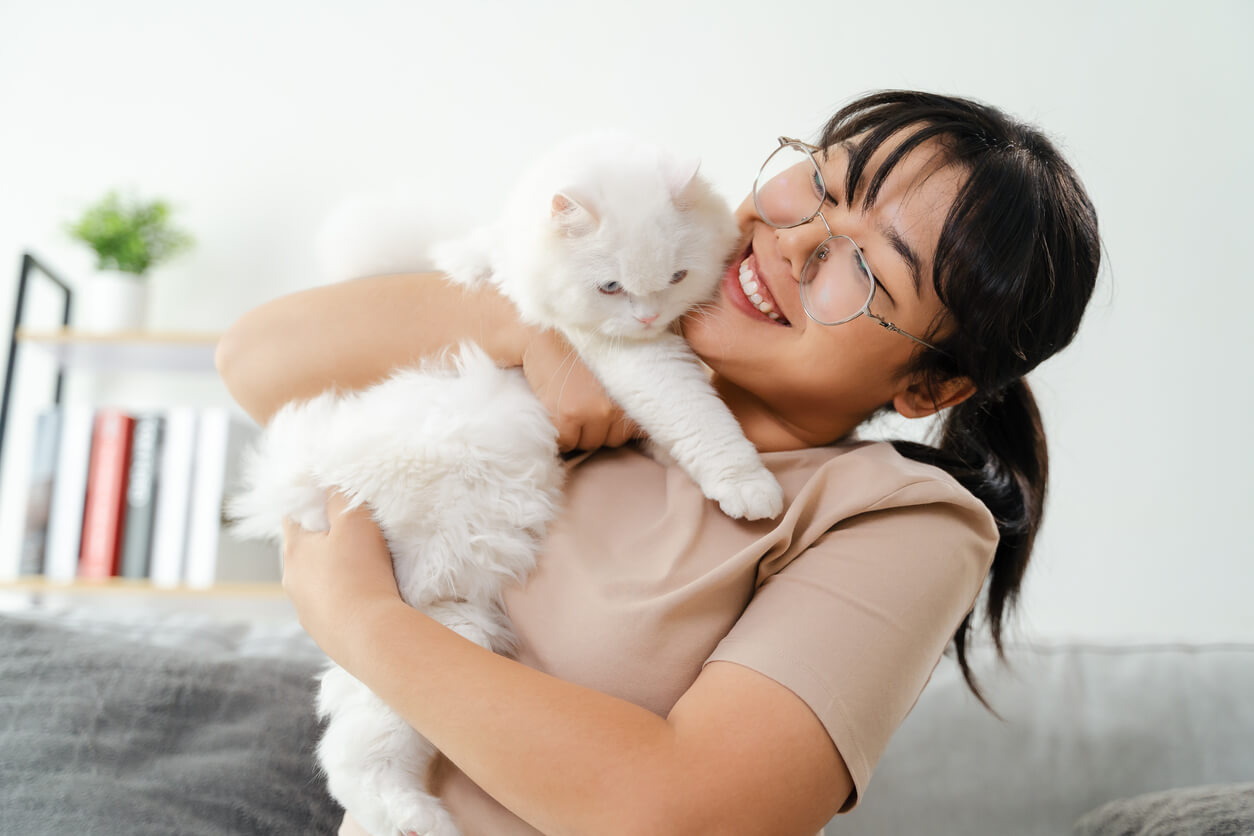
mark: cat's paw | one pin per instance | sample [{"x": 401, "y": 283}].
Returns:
[
  {"x": 313, "y": 519},
  {"x": 752, "y": 496},
  {"x": 426, "y": 820},
  {"x": 466, "y": 260}
]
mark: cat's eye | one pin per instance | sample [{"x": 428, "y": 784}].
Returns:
[
  {"x": 611, "y": 288},
  {"x": 678, "y": 276}
]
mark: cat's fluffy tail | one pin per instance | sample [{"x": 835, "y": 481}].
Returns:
[
  {"x": 468, "y": 259},
  {"x": 380, "y": 233}
]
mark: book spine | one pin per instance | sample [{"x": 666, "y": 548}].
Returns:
[
  {"x": 69, "y": 488},
  {"x": 39, "y": 496},
  {"x": 205, "y": 511},
  {"x": 169, "y": 529},
  {"x": 214, "y": 555},
  {"x": 141, "y": 492},
  {"x": 105, "y": 507}
]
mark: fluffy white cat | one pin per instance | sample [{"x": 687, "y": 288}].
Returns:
[
  {"x": 609, "y": 240},
  {"x": 459, "y": 465}
]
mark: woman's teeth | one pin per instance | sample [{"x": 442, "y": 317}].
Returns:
[{"x": 755, "y": 291}]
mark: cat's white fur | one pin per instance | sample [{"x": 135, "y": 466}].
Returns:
[
  {"x": 609, "y": 212},
  {"x": 459, "y": 465}
]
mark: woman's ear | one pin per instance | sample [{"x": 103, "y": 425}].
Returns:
[{"x": 921, "y": 398}]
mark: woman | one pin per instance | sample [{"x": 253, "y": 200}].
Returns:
[{"x": 680, "y": 671}]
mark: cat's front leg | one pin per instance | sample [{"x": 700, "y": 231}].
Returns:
[{"x": 664, "y": 389}]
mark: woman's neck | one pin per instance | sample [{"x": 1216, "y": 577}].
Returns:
[{"x": 768, "y": 430}]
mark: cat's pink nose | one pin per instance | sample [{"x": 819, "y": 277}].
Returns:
[{"x": 648, "y": 320}]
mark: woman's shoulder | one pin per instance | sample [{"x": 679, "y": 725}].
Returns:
[
  {"x": 870, "y": 474},
  {"x": 821, "y": 484}
]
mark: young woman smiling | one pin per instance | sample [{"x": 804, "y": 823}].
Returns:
[{"x": 681, "y": 672}]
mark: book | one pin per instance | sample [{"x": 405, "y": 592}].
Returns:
[
  {"x": 169, "y": 526},
  {"x": 39, "y": 496},
  {"x": 104, "y": 510},
  {"x": 141, "y": 495},
  {"x": 69, "y": 490},
  {"x": 220, "y": 441}
]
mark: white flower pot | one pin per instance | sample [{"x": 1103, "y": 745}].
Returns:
[{"x": 111, "y": 301}]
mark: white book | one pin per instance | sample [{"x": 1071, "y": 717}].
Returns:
[
  {"x": 69, "y": 492},
  {"x": 220, "y": 443},
  {"x": 169, "y": 528}
]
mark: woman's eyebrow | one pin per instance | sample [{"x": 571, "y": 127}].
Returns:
[
  {"x": 891, "y": 234},
  {"x": 903, "y": 248}
]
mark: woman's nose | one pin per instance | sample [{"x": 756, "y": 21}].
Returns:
[{"x": 798, "y": 242}]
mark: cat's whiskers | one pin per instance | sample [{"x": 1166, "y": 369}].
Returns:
[
  {"x": 705, "y": 310},
  {"x": 567, "y": 363}
]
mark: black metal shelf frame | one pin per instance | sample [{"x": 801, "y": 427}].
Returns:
[{"x": 31, "y": 266}]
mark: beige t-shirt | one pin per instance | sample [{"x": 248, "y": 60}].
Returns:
[{"x": 848, "y": 599}]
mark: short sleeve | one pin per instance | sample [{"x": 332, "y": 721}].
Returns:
[{"x": 855, "y": 624}]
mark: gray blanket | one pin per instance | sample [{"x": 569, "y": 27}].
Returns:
[{"x": 104, "y": 736}]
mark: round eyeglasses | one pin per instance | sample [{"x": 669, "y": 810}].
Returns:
[{"x": 837, "y": 285}]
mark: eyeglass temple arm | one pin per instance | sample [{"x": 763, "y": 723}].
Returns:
[
  {"x": 891, "y": 327},
  {"x": 788, "y": 140}
]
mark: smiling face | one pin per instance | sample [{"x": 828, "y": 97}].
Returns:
[{"x": 791, "y": 381}]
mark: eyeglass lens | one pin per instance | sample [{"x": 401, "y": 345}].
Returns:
[
  {"x": 789, "y": 189},
  {"x": 835, "y": 281}
]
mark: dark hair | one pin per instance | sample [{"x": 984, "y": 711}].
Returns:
[{"x": 1015, "y": 266}]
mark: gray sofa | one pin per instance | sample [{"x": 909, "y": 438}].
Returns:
[
  {"x": 1083, "y": 726},
  {"x": 127, "y": 716}
]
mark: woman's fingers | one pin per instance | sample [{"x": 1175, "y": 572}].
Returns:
[{"x": 584, "y": 415}]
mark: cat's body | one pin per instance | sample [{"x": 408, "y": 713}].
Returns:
[
  {"x": 610, "y": 240},
  {"x": 461, "y": 471},
  {"x": 461, "y": 467}
]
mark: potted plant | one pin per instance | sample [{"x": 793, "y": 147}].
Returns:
[{"x": 130, "y": 237}]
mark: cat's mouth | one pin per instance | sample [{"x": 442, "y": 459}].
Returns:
[{"x": 751, "y": 293}]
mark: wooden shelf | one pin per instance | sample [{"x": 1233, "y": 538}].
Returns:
[
  {"x": 126, "y": 351},
  {"x": 128, "y": 586}
]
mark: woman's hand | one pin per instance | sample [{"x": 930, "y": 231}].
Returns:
[
  {"x": 583, "y": 413},
  {"x": 340, "y": 578}
]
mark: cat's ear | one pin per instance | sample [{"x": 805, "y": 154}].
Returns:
[
  {"x": 681, "y": 177},
  {"x": 572, "y": 217}
]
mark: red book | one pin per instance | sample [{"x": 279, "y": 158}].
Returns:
[{"x": 105, "y": 507}]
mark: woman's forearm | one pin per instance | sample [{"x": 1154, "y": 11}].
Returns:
[
  {"x": 353, "y": 334},
  {"x": 565, "y": 758}
]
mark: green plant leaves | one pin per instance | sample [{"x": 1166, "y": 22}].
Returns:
[{"x": 129, "y": 234}]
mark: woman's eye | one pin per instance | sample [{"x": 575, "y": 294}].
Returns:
[
  {"x": 611, "y": 288},
  {"x": 820, "y": 189},
  {"x": 678, "y": 276}
]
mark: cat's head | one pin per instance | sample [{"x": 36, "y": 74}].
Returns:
[{"x": 631, "y": 247}]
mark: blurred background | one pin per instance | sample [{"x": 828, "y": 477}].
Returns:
[{"x": 258, "y": 120}]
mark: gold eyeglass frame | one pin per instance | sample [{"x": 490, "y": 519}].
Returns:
[{"x": 788, "y": 142}]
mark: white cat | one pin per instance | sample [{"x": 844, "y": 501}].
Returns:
[
  {"x": 609, "y": 240},
  {"x": 460, "y": 467},
  {"x": 460, "y": 464}
]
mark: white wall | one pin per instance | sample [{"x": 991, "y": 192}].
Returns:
[{"x": 257, "y": 118}]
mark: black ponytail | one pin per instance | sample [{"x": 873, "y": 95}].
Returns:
[
  {"x": 1015, "y": 266},
  {"x": 995, "y": 448}
]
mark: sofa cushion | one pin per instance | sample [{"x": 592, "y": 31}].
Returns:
[
  {"x": 1224, "y": 810},
  {"x": 1082, "y": 724},
  {"x": 102, "y": 734}
]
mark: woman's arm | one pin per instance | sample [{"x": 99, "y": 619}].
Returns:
[
  {"x": 353, "y": 334},
  {"x": 739, "y": 753}
]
